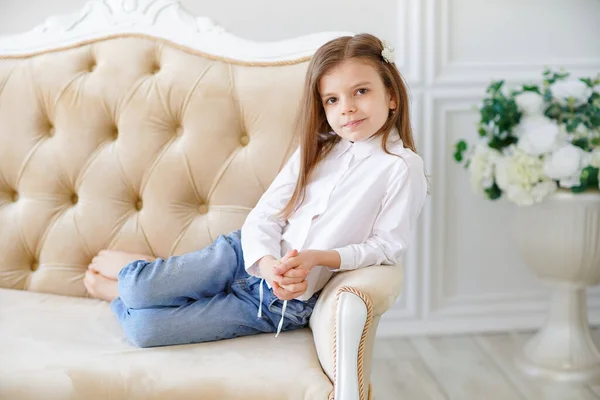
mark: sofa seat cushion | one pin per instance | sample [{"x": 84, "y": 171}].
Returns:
[{"x": 58, "y": 347}]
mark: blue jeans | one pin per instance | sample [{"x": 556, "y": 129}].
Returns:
[{"x": 202, "y": 296}]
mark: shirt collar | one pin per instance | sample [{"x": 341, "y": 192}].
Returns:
[{"x": 365, "y": 148}]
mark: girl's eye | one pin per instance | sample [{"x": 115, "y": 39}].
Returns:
[
  {"x": 362, "y": 91},
  {"x": 330, "y": 100}
]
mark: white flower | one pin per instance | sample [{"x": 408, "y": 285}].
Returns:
[
  {"x": 538, "y": 135},
  {"x": 565, "y": 165},
  {"x": 542, "y": 190},
  {"x": 581, "y": 129},
  {"x": 522, "y": 178},
  {"x": 563, "y": 135},
  {"x": 595, "y": 158},
  {"x": 481, "y": 167},
  {"x": 530, "y": 103},
  {"x": 571, "y": 88}
]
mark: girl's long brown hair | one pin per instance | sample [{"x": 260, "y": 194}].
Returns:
[{"x": 312, "y": 125}]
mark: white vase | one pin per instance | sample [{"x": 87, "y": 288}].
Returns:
[{"x": 560, "y": 240}]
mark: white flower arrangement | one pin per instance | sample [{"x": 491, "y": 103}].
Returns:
[{"x": 536, "y": 139}]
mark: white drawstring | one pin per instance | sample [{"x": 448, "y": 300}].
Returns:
[
  {"x": 282, "y": 317},
  {"x": 261, "y": 299},
  {"x": 261, "y": 294}
]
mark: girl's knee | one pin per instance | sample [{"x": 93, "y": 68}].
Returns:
[
  {"x": 132, "y": 289},
  {"x": 135, "y": 327},
  {"x": 140, "y": 330},
  {"x": 132, "y": 270},
  {"x": 140, "y": 326}
]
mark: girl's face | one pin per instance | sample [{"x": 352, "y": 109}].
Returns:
[{"x": 355, "y": 100}]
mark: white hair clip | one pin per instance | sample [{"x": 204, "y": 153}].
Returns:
[{"x": 388, "y": 52}]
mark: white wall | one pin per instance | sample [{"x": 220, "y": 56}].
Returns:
[
  {"x": 261, "y": 20},
  {"x": 463, "y": 273}
]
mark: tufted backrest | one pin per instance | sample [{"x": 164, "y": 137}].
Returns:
[{"x": 135, "y": 144}]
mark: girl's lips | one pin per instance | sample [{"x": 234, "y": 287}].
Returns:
[{"x": 354, "y": 124}]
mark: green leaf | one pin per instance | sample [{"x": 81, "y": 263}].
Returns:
[
  {"x": 495, "y": 86},
  {"x": 588, "y": 179},
  {"x": 582, "y": 143},
  {"x": 531, "y": 88},
  {"x": 553, "y": 111},
  {"x": 494, "y": 192},
  {"x": 572, "y": 124},
  {"x": 595, "y": 141},
  {"x": 592, "y": 176},
  {"x": 579, "y": 189},
  {"x": 482, "y": 132},
  {"x": 595, "y": 118},
  {"x": 461, "y": 145},
  {"x": 588, "y": 82},
  {"x": 551, "y": 77},
  {"x": 499, "y": 144}
]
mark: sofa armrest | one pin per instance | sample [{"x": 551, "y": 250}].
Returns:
[{"x": 344, "y": 322}]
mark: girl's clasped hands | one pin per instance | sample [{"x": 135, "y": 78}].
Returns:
[{"x": 290, "y": 272}]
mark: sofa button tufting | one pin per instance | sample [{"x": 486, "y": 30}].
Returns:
[
  {"x": 138, "y": 205},
  {"x": 74, "y": 198},
  {"x": 244, "y": 140},
  {"x": 179, "y": 130},
  {"x": 92, "y": 66},
  {"x": 203, "y": 209},
  {"x": 35, "y": 265},
  {"x": 51, "y": 130}
]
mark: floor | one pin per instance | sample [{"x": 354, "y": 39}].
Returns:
[{"x": 471, "y": 367}]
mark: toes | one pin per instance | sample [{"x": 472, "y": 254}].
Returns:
[
  {"x": 90, "y": 277},
  {"x": 88, "y": 282},
  {"x": 96, "y": 258},
  {"x": 104, "y": 253},
  {"x": 93, "y": 266}
]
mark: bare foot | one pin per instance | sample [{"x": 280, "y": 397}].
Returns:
[
  {"x": 108, "y": 263},
  {"x": 100, "y": 287}
]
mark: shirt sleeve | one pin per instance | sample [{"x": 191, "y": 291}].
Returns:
[
  {"x": 399, "y": 212},
  {"x": 262, "y": 229}
]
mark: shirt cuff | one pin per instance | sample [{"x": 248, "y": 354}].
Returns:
[
  {"x": 251, "y": 262},
  {"x": 346, "y": 259}
]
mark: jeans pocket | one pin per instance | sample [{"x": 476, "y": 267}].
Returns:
[{"x": 296, "y": 311}]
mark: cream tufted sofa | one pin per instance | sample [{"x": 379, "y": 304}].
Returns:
[{"x": 149, "y": 130}]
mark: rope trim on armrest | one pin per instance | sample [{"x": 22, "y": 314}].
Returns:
[{"x": 361, "y": 346}]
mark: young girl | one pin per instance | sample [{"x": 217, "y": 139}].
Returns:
[{"x": 347, "y": 198}]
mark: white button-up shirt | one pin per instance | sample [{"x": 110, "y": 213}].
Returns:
[{"x": 360, "y": 201}]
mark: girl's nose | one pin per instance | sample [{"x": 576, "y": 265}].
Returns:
[{"x": 348, "y": 106}]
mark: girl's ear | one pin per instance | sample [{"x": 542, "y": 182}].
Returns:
[{"x": 393, "y": 105}]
